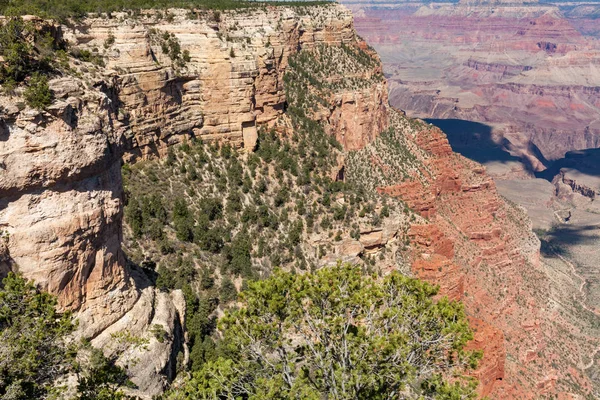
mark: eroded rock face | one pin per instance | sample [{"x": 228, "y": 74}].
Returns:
[
  {"x": 480, "y": 250},
  {"x": 472, "y": 224},
  {"x": 61, "y": 194},
  {"x": 359, "y": 116},
  {"x": 61, "y": 204},
  {"x": 230, "y": 79},
  {"x": 62, "y": 200}
]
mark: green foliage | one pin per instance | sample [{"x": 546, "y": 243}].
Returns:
[
  {"x": 26, "y": 51},
  {"x": 340, "y": 334},
  {"x": 33, "y": 350},
  {"x": 233, "y": 217},
  {"x": 212, "y": 208},
  {"x": 88, "y": 56},
  {"x": 170, "y": 46},
  {"x": 200, "y": 325},
  {"x": 238, "y": 255},
  {"x": 16, "y": 50},
  {"x": 101, "y": 379},
  {"x": 159, "y": 332},
  {"x": 228, "y": 290},
  {"x": 38, "y": 94},
  {"x": 310, "y": 76},
  {"x": 62, "y": 9}
]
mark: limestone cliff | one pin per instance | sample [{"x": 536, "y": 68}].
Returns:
[
  {"x": 228, "y": 78},
  {"x": 155, "y": 81}
]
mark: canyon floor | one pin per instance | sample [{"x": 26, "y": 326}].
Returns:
[{"x": 516, "y": 87}]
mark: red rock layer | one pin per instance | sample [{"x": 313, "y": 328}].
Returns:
[{"x": 481, "y": 251}]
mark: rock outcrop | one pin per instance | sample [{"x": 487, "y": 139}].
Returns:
[
  {"x": 226, "y": 77},
  {"x": 159, "y": 81},
  {"x": 479, "y": 249}
]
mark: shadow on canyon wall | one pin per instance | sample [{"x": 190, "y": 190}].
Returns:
[
  {"x": 585, "y": 161},
  {"x": 475, "y": 141}
]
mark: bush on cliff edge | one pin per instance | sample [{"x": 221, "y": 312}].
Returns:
[
  {"x": 36, "y": 350},
  {"x": 341, "y": 334}
]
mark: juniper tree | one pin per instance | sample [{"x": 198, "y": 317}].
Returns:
[{"x": 339, "y": 334}]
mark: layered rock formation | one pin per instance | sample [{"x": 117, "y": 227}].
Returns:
[
  {"x": 159, "y": 80},
  {"x": 195, "y": 75},
  {"x": 479, "y": 249},
  {"x": 226, "y": 77},
  {"x": 525, "y": 71}
]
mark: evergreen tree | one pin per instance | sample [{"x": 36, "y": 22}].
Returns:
[
  {"x": 339, "y": 334},
  {"x": 33, "y": 350}
]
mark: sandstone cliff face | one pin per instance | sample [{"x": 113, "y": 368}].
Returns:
[
  {"x": 61, "y": 214},
  {"x": 62, "y": 201},
  {"x": 232, "y": 81},
  {"x": 61, "y": 195}
]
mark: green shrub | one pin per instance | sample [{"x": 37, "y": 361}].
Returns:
[
  {"x": 228, "y": 291},
  {"x": 16, "y": 50},
  {"x": 308, "y": 335},
  {"x": 37, "y": 350},
  {"x": 38, "y": 94},
  {"x": 33, "y": 339}
]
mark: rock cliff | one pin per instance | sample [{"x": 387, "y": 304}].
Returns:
[
  {"x": 192, "y": 75},
  {"x": 479, "y": 249},
  {"x": 164, "y": 78},
  {"x": 155, "y": 80}
]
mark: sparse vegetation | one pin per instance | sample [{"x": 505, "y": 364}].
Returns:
[
  {"x": 213, "y": 219},
  {"x": 27, "y": 52},
  {"x": 38, "y": 94},
  {"x": 62, "y": 10}
]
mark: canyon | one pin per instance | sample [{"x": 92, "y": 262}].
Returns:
[
  {"x": 62, "y": 195},
  {"x": 515, "y": 87}
]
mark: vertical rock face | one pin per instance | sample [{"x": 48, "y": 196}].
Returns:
[
  {"x": 359, "y": 116},
  {"x": 163, "y": 79},
  {"x": 492, "y": 248},
  {"x": 226, "y": 78},
  {"x": 61, "y": 204}
]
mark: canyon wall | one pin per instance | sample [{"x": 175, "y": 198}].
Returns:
[
  {"x": 155, "y": 81},
  {"x": 480, "y": 249},
  {"x": 526, "y": 71},
  {"x": 231, "y": 78},
  {"x": 165, "y": 78}
]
